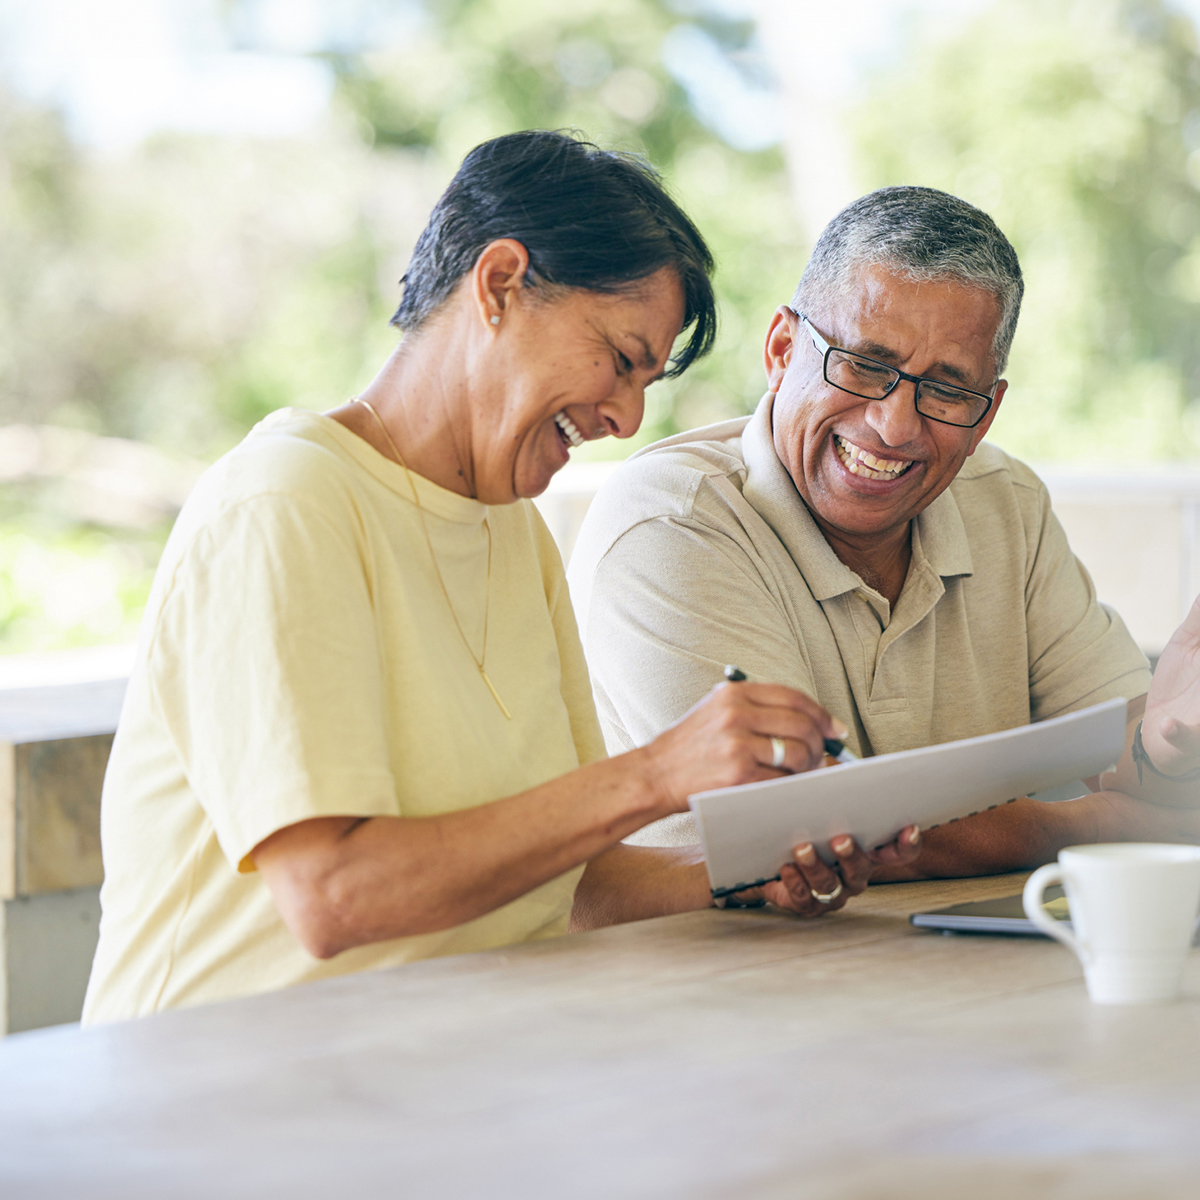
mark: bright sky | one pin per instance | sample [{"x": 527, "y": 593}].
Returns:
[{"x": 122, "y": 69}]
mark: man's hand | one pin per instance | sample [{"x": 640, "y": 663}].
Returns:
[
  {"x": 1171, "y": 725},
  {"x": 807, "y": 877}
]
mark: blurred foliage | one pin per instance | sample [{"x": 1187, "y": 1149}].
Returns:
[
  {"x": 1076, "y": 124},
  {"x": 178, "y": 294},
  {"x": 172, "y": 296},
  {"x": 175, "y": 294},
  {"x": 69, "y": 586},
  {"x": 479, "y": 68}
]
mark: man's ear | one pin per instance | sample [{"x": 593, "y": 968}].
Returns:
[
  {"x": 498, "y": 274},
  {"x": 980, "y": 430},
  {"x": 778, "y": 348}
]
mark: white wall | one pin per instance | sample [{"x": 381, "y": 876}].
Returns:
[{"x": 1139, "y": 536}]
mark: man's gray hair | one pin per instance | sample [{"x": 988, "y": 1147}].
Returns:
[{"x": 924, "y": 235}]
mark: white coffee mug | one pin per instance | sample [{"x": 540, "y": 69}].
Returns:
[{"x": 1133, "y": 912}]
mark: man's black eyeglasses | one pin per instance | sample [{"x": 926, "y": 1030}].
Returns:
[{"x": 873, "y": 380}]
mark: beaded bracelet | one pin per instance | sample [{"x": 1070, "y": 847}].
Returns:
[{"x": 1140, "y": 756}]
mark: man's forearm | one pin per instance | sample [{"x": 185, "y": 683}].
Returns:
[
  {"x": 1027, "y": 833},
  {"x": 1014, "y": 837}
]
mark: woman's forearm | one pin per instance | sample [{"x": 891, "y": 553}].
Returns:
[{"x": 341, "y": 882}]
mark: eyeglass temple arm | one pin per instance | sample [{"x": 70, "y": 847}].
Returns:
[{"x": 821, "y": 344}]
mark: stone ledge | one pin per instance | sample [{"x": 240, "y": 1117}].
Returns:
[{"x": 54, "y": 747}]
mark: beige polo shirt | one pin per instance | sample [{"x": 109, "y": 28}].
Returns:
[{"x": 699, "y": 552}]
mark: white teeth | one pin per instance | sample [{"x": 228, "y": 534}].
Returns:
[
  {"x": 861, "y": 462},
  {"x": 569, "y": 428}
]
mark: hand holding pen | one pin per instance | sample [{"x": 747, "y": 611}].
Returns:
[
  {"x": 834, "y": 747},
  {"x": 750, "y": 733},
  {"x": 807, "y": 885}
]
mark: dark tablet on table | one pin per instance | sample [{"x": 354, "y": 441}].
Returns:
[{"x": 1006, "y": 916}]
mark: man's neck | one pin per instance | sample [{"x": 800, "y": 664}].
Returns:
[{"x": 881, "y": 561}]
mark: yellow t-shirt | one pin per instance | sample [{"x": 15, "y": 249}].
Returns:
[{"x": 298, "y": 659}]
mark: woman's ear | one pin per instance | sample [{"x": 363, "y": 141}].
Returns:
[
  {"x": 777, "y": 350},
  {"x": 498, "y": 275}
]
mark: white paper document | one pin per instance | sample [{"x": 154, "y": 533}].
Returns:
[{"x": 748, "y": 832}]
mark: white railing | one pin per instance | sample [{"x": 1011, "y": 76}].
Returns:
[{"x": 1137, "y": 532}]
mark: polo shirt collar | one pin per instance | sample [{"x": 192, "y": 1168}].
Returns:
[{"x": 941, "y": 535}]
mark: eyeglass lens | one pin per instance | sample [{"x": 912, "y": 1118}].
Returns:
[{"x": 874, "y": 380}]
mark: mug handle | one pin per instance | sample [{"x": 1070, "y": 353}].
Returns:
[{"x": 1031, "y": 898}]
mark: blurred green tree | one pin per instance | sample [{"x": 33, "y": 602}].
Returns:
[
  {"x": 1076, "y": 124},
  {"x": 179, "y": 293},
  {"x": 474, "y": 69}
]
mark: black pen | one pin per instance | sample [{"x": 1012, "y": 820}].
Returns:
[{"x": 835, "y": 749}]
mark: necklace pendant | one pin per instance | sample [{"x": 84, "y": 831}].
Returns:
[
  {"x": 437, "y": 570},
  {"x": 495, "y": 694}
]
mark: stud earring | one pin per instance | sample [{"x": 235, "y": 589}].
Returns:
[{"x": 495, "y": 320}]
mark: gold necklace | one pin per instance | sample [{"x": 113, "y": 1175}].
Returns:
[{"x": 487, "y": 603}]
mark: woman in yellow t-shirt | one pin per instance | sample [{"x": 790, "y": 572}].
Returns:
[{"x": 360, "y": 729}]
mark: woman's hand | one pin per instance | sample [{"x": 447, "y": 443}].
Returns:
[
  {"x": 726, "y": 740},
  {"x": 1171, "y": 724},
  {"x": 809, "y": 887}
]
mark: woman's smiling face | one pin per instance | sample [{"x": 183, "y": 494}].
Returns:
[{"x": 565, "y": 368}]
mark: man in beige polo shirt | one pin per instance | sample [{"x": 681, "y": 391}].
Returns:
[{"x": 857, "y": 539}]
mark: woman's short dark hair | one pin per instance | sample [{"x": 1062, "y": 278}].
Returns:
[{"x": 590, "y": 218}]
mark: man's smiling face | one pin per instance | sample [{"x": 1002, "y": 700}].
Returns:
[{"x": 865, "y": 468}]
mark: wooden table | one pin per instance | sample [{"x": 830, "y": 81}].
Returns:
[{"x": 716, "y": 1054}]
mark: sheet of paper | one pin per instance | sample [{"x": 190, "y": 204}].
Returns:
[{"x": 748, "y": 832}]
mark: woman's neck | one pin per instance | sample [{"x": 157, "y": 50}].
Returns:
[{"x": 423, "y": 406}]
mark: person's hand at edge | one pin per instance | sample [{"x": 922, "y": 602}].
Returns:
[{"x": 1171, "y": 723}]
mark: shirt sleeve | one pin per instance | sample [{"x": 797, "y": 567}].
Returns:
[
  {"x": 670, "y": 604},
  {"x": 1080, "y": 652},
  {"x": 266, "y": 672}
]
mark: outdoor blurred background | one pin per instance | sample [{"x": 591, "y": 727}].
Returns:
[{"x": 206, "y": 205}]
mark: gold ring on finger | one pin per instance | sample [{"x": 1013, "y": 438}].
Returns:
[
  {"x": 827, "y": 897},
  {"x": 778, "y": 750}
]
